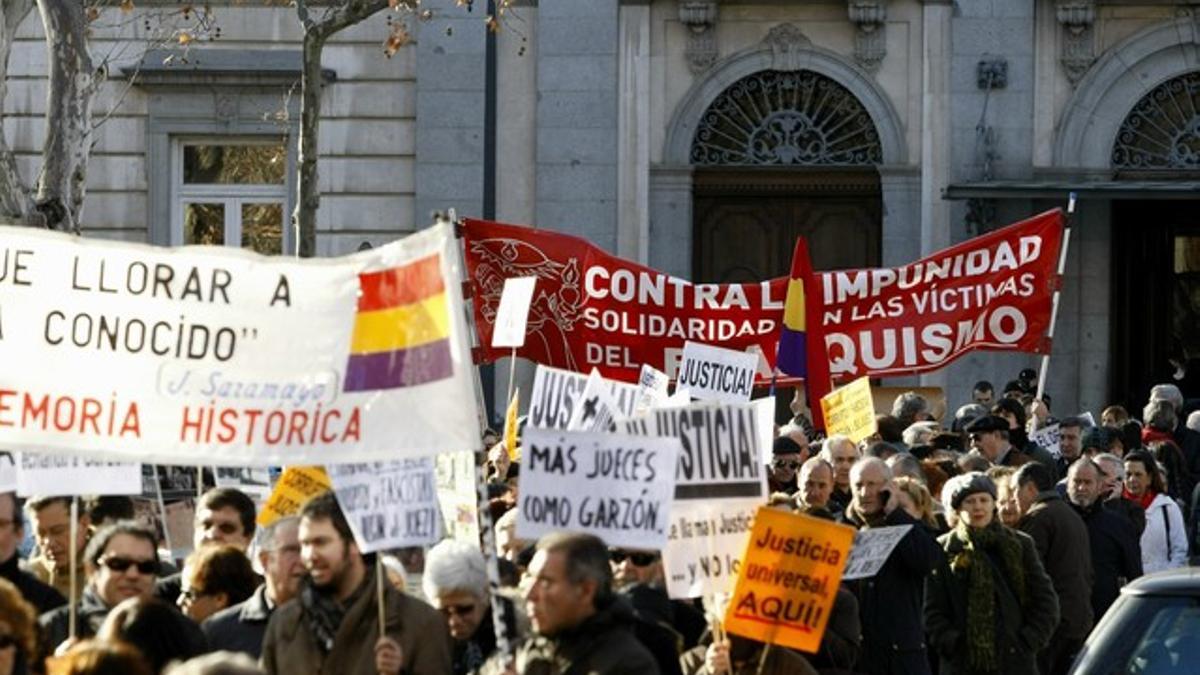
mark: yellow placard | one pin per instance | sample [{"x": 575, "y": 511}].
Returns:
[
  {"x": 297, "y": 485},
  {"x": 510, "y": 426},
  {"x": 788, "y": 580},
  {"x": 850, "y": 411}
]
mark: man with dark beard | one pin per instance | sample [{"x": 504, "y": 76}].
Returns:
[{"x": 333, "y": 626}]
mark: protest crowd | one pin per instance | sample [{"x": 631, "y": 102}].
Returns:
[{"x": 1012, "y": 555}]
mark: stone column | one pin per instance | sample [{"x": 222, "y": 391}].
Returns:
[
  {"x": 671, "y": 220},
  {"x": 633, "y": 131}
]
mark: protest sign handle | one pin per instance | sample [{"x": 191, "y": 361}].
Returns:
[
  {"x": 162, "y": 508},
  {"x": 512, "y": 371},
  {"x": 762, "y": 660},
  {"x": 73, "y": 560},
  {"x": 380, "y": 580}
]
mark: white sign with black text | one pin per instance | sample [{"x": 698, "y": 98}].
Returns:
[
  {"x": 871, "y": 550},
  {"x": 595, "y": 410},
  {"x": 720, "y": 481},
  {"x": 716, "y": 374},
  {"x": 513, "y": 312},
  {"x": 652, "y": 389},
  {"x": 556, "y": 393},
  {"x": 615, "y": 486},
  {"x": 8, "y": 472},
  {"x": 389, "y": 504},
  {"x": 68, "y": 475}
]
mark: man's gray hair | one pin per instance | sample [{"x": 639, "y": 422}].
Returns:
[
  {"x": 919, "y": 433},
  {"x": 264, "y": 539},
  {"x": 216, "y": 663},
  {"x": 813, "y": 463},
  {"x": 867, "y": 462},
  {"x": 907, "y": 406},
  {"x": 455, "y": 567},
  {"x": 586, "y": 559},
  {"x": 833, "y": 442},
  {"x": 1167, "y": 392},
  {"x": 906, "y": 464},
  {"x": 1159, "y": 415},
  {"x": 1116, "y": 462}
]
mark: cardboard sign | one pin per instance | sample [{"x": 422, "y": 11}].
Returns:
[
  {"x": 297, "y": 485},
  {"x": 213, "y": 355},
  {"x": 510, "y": 426},
  {"x": 179, "y": 523},
  {"x": 1049, "y": 437},
  {"x": 556, "y": 392},
  {"x": 716, "y": 374},
  {"x": 872, "y": 547},
  {"x": 614, "y": 486},
  {"x": 513, "y": 312},
  {"x": 255, "y": 482},
  {"x": 652, "y": 389},
  {"x": 42, "y": 474},
  {"x": 458, "y": 495},
  {"x": 850, "y": 411},
  {"x": 389, "y": 504},
  {"x": 595, "y": 410},
  {"x": 788, "y": 580},
  {"x": 720, "y": 481},
  {"x": 8, "y": 472}
]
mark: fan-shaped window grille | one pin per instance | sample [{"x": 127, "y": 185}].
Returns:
[
  {"x": 790, "y": 118},
  {"x": 1163, "y": 129}
]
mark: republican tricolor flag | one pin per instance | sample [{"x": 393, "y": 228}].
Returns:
[
  {"x": 801, "y": 344},
  {"x": 401, "y": 332}
]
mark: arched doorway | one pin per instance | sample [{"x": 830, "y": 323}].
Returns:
[
  {"x": 780, "y": 154},
  {"x": 1156, "y": 243}
]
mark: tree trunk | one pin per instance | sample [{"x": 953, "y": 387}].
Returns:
[
  {"x": 62, "y": 182},
  {"x": 316, "y": 34},
  {"x": 15, "y": 202}
]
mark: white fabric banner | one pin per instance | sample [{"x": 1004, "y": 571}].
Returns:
[{"x": 212, "y": 355}]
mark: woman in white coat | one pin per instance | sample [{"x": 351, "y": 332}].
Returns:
[{"x": 1164, "y": 541}]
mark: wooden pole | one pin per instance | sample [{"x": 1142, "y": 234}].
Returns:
[
  {"x": 762, "y": 660},
  {"x": 1062, "y": 264},
  {"x": 380, "y": 580},
  {"x": 162, "y": 508},
  {"x": 73, "y": 560}
]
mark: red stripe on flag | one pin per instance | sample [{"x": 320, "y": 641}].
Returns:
[{"x": 400, "y": 285}]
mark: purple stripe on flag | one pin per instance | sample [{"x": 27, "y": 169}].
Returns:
[
  {"x": 399, "y": 368},
  {"x": 793, "y": 352}
]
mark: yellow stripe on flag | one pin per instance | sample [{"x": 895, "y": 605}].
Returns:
[
  {"x": 793, "y": 308},
  {"x": 401, "y": 327}
]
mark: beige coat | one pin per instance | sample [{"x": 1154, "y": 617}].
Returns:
[{"x": 289, "y": 647}]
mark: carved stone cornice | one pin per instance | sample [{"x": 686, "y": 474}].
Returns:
[
  {"x": 786, "y": 42},
  {"x": 870, "y": 41},
  {"x": 1077, "y": 54},
  {"x": 700, "y": 16}
]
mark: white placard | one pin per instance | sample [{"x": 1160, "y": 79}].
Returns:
[
  {"x": 458, "y": 496},
  {"x": 652, "y": 389},
  {"x": 513, "y": 312},
  {"x": 253, "y": 481},
  {"x": 61, "y": 475},
  {"x": 719, "y": 483},
  {"x": 555, "y": 391},
  {"x": 614, "y": 486},
  {"x": 389, "y": 504},
  {"x": 716, "y": 374},
  {"x": 213, "y": 355},
  {"x": 595, "y": 409},
  {"x": 872, "y": 547},
  {"x": 1050, "y": 438},
  {"x": 8, "y": 472}
]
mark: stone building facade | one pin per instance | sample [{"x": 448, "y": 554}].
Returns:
[{"x": 699, "y": 136}]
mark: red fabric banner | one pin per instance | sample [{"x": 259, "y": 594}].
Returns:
[
  {"x": 591, "y": 309},
  {"x": 991, "y": 292}
]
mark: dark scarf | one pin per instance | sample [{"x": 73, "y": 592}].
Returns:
[
  {"x": 974, "y": 561},
  {"x": 324, "y": 613}
]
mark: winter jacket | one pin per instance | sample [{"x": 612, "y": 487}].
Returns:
[
  {"x": 290, "y": 649},
  {"x": 779, "y": 661},
  {"x": 1061, "y": 539},
  {"x": 1164, "y": 541},
  {"x": 1020, "y": 631},
  {"x": 56, "y": 623},
  {"x": 604, "y": 644},
  {"x": 42, "y": 596},
  {"x": 241, "y": 627},
  {"x": 890, "y": 603},
  {"x": 1116, "y": 554}
]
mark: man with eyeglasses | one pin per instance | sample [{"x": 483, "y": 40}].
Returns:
[
  {"x": 241, "y": 627},
  {"x": 989, "y": 439},
  {"x": 786, "y": 457},
  {"x": 456, "y": 583},
  {"x": 51, "y": 519},
  {"x": 639, "y": 576},
  {"x": 122, "y": 562},
  {"x": 42, "y": 596}
]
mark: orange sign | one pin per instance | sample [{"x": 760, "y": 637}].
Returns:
[
  {"x": 789, "y": 579},
  {"x": 297, "y": 485}
]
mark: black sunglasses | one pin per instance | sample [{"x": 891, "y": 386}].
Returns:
[
  {"x": 119, "y": 565},
  {"x": 639, "y": 559},
  {"x": 785, "y": 464}
]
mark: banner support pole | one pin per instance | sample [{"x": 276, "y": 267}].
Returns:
[
  {"x": 512, "y": 371},
  {"x": 1062, "y": 265},
  {"x": 487, "y": 538},
  {"x": 162, "y": 508},
  {"x": 380, "y": 580},
  {"x": 73, "y": 561}
]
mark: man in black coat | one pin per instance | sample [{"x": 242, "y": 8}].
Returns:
[
  {"x": 42, "y": 596},
  {"x": 891, "y": 603},
  {"x": 1115, "y": 546}
]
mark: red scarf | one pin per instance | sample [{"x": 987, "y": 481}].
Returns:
[
  {"x": 1145, "y": 500},
  {"x": 1152, "y": 436}
]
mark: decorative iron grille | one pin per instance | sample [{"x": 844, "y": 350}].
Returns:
[
  {"x": 792, "y": 118},
  {"x": 1163, "y": 129}
]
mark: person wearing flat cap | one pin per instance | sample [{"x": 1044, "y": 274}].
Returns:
[
  {"x": 990, "y": 607},
  {"x": 989, "y": 439}
]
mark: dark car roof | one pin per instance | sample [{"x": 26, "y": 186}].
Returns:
[{"x": 1181, "y": 581}]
